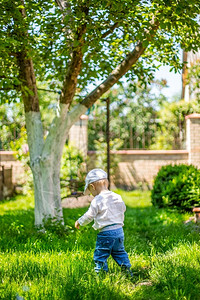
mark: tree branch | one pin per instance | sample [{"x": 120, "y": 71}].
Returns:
[
  {"x": 47, "y": 90},
  {"x": 62, "y": 4},
  {"x": 120, "y": 70},
  {"x": 6, "y": 77},
  {"x": 6, "y": 89},
  {"x": 70, "y": 82},
  {"x": 60, "y": 122},
  {"x": 109, "y": 31},
  {"x": 25, "y": 64},
  {"x": 114, "y": 76}
]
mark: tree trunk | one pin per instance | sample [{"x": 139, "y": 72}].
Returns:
[
  {"x": 45, "y": 158},
  {"x": 47, "y": 192}
]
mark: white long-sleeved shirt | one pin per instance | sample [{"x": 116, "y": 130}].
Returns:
[{"x": 107, "y": 208}]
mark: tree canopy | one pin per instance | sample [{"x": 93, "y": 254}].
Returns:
[{"x": 81, "y": 42}]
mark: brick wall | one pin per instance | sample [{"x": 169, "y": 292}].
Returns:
[
  {"x": 139, "y": 167},
  {"x": 135, "y": 167},
  {"x": 78, "y": 135},
  {"x": 8, "y": 160},
  {"x": 6, "y": 184},
  {"x": 193, "y": 139}
]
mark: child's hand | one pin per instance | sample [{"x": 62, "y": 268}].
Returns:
[{"x": 77, "y": 225}]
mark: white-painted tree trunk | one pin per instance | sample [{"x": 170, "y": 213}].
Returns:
[
  {"x": 45, "y": 158},
  {"x": 47, "y": 192}
]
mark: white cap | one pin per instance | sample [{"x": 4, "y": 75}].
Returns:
[{"x": 94, "y": 175}]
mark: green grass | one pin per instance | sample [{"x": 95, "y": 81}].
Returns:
[{"x": 59, "y": 265}]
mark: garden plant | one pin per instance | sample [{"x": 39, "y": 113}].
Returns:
[{"x": 177, "y": 187}]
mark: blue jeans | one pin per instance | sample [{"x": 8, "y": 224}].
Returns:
[{"x": 108, "y": 243}]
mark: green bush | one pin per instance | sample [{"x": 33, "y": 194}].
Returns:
[
  {"x": 177, "y": 187},
  {"x": 101, "y": 154},
  {"x": 73, "y": 171},
  {"x": 20, "y": 146}
]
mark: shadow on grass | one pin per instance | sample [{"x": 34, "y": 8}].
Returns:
[
  {"x": 151, "y": 230},
  {"x": 17, "y": 233},
  {"x": 147, "y": 230}
]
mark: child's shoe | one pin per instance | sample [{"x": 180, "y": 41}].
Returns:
[{"x": 127, "y": 271}]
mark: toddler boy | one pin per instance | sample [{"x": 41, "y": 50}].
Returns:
[{"x": 107, "y": 210}]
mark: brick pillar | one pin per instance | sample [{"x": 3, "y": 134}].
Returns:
[
  {"x": 78, "y": 135},
  {"x": 193, "y": 139}
]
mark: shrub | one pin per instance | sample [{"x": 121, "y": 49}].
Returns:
[
  {"x": 21, "y": 149},
  {"x": 72, "y": 172},
  {"x": 101, "y": 154},
  {"x": 177, "y": 187}
]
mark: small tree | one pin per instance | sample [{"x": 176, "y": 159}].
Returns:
[
  {"x": 71, "y": 44},
  {"x": 171, "y": 132},
  {"x": 11, "y": 122},
  {"x": 134, "y": 109},
  {"x": 193, "y": 80}
]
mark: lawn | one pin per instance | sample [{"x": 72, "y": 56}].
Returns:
[{"x": 57, "y": 264}]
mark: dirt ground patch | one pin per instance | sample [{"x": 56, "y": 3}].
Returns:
[{"x": 76, "y": 202}]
